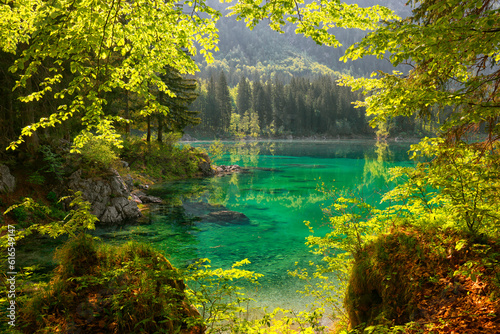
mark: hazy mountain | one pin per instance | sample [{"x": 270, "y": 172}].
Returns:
[{"x": 266, "y": 53}]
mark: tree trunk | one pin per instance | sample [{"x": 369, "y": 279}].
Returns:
[
  {"x": 127, "y": 115},
  {"x": 148, "y": 138},
  {"x": 32, "y": 142},
  {"x": 160, "y": 128}
]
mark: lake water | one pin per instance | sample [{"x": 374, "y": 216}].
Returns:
[{"x": 277, "y": 192}]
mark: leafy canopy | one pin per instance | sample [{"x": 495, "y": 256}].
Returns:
[
  {"x": 313, "y": 19},
  {"x": 83, "y": 49},
  {"x": 79, "y": 50},
  {"x": 451, "y": 50}
]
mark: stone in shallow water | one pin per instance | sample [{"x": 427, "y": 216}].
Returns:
[
  {"x": 227, "y": 217},
  {"x": 201, "y": 208},
  {"x": 145, "y": 198}
]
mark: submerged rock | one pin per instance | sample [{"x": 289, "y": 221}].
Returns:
[
  {"x": 227, "y": 216},
  {"x": 202, "y": 212},
  {"x": 201, "y": 209}
]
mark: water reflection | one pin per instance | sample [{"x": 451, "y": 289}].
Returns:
[{"x": 275, "y": 194}]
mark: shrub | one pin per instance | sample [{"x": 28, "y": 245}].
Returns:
[
  {"x": 126, "y": 289},
  {"x": 36, "y": 178},
  {"x": 98, "y": 151},
  {"x": 54, "y": 162}
]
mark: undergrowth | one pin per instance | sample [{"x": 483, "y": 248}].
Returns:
[
  {"x": 126, "y": 289},
  {"x": 162, "y": 161}
]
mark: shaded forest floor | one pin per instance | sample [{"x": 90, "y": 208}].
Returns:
[{"x": 428, "y": 280}]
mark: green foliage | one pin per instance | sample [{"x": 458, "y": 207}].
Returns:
[
  {"x": 38, "y": 218},
  {"x": 453, "y": 51},
  {"x": 215, "y": 294},
  {"x": 246, "y": 125},
  {"x": 313, "y": 19},
  {"x": 459, "y": 187},
  {"x": 353, "y": 223},
  {"x": 36, "y": 178},
  {"x": 20, "y": 215},
  {"x": 120, "y": 47},
  {"x": 162, "y": 161},
  {"x": 98, "y": 152},
  {"x": 219, "y": 298},
  {"x": 52, "y": 196},
  {"x": 53, "y": 161},
  {"x": 126, "y": 289},
  {"x": 216, "y": 150}
]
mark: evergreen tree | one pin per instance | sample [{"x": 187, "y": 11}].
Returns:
[
  {"x": 259, "y": 103},
  {"x": 224, "y": 108},
  {"x": 244, "y": 101},
  {"x": 178, "y": 115},
  {"x": 278, "y": 98},
  {"x": 268, "y": 105},
  {"x": 211, "y": 105}
]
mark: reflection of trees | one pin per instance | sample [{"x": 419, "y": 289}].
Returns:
[
  {"x": 285, "y": 200},
  {"x": 246, "y": 153},
  {"x": 217, "y": 193},
  {"x": 376, "y": 168},
  {"x": 173, "y": 193}
]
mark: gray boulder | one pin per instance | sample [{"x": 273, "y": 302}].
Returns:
[
  {"x": 7, "y": 180},
  {"x": 110, "y": 199},
  {"x": 224, "y": 170},
  {"x": 146, "y": 198},
  {"x": 200, "y": 209},
  {"x": 129, "y": 182}
]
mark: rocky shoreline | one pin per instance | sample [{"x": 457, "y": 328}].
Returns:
[{"x": 117, "y": 199}]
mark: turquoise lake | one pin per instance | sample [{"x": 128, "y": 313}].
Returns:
[{"x": 277, "y": 191}]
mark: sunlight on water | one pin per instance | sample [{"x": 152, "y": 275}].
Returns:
[{"x": 277, "y": 192}]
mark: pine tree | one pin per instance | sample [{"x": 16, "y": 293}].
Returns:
[
  {"x": 259, "y": 103},
  {"x": 278, "y": 98},
  {"x": 243, "y": 101},
  {"x": 211, "y": 106},
  {"x": 178, "y": 116},
  {"x": 223, "y": 102}
]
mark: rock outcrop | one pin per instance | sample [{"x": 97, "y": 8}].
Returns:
[
  {"x": 7, "y": 181},
  {"x": 109, "y": 196},
  {"x": 145, "y": 198},
  {"x": 205, "y": 165},
  {"x": 224, "y": 170}
]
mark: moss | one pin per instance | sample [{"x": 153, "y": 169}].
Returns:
[
  {"x": 419, "y": 274},
  {"x": 127, "y": 289},
  {"x": 381, "y": 288}
]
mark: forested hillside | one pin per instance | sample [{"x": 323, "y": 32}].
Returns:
[
  {"x": 264, "y": 54},
  {"x": 303, "y": 107},
  {"x": 268, "y": 84}
]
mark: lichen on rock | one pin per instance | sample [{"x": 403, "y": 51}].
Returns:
[
  {"x": 7, "y": 180},
  {"x": 109, "y": 197}
]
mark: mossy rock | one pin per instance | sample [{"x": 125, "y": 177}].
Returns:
[
  {"x": 381, "y": 287},
  {"x": 107, "y": 289},
  {"x": 425, "y": 277}
]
